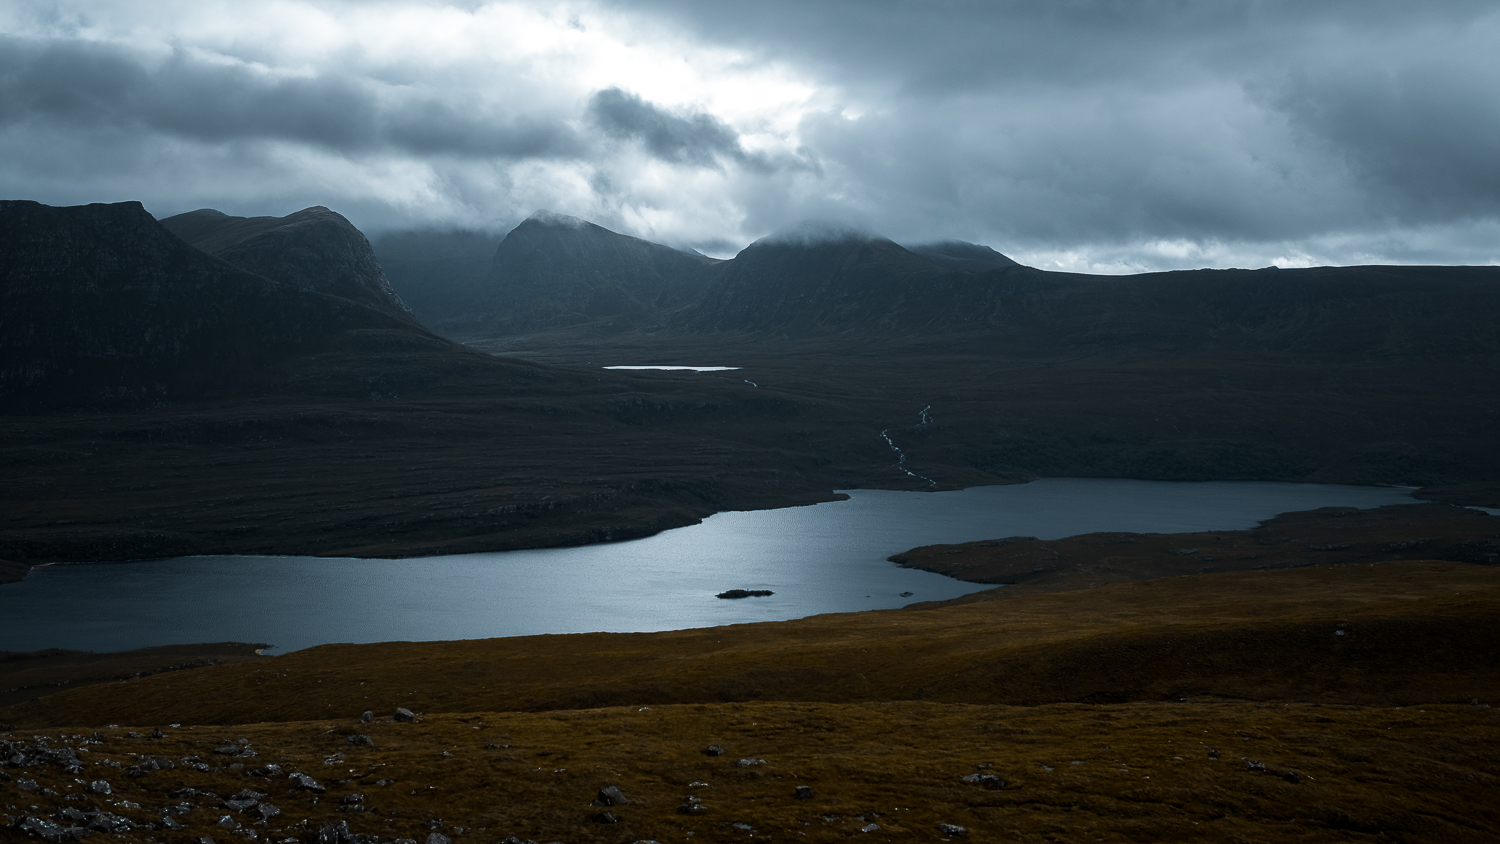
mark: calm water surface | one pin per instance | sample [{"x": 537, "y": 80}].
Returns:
[{"x": 824, "y": 558}]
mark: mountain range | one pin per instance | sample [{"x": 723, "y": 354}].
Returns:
[
  {"x": 555, "y": 273},
  {"x": 101, "y": 302},
  {"x": 145, "y": 363}
]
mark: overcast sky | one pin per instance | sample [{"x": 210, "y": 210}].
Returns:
[{"x": 1094, "y": 135}]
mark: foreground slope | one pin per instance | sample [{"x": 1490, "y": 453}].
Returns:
[
  {"x": 1412, "y": 632},
  {"x": 1328, "y": 704}
]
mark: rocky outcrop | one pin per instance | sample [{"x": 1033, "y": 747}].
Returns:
[
  {"x": 100, "y": 302},
  {"x": 315, "y": 249}
]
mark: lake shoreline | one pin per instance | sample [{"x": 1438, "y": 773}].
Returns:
[{"x": 1017, "y": 566}]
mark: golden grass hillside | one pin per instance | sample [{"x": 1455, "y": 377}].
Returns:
[{"x": 1391, "y": 633}]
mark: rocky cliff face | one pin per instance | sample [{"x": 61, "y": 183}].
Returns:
[
  {"x": 100, "y": 302},
  {"x": 314, "y": 249}
]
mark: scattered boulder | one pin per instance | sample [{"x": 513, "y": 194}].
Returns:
[
  {"x": 335, "y": 832},
  {"x": 366, "y": 717},
  {"x": 98, "y": 787},
  {"x": 989, "y": 781},
  {"x": 604, "y": 817},
  {"x": 1291, "y": 777},
  {"x": 404, "y": 715},
  {"x": 265, "y": 811},
  {"x": 307, "y": 783},
  {"x": 51, "y": 832},
  {"x": 110, "y": 824},
  {"x": 713, "y": 750},
  {"x": 803, "y": 792},
  {"x": 692, "y": 806},
  {"x": 745, "y": 763},
  {"x": 951, "y": 829},
  {"x": 438, "y": 838},
  {"x": 360, "y": 739},
  {"x": 611, "y": 795}
]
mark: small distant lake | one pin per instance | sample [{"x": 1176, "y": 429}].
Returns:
[
  {"x": 680, "y": 368},
  {"x": 824, "y": 558}
]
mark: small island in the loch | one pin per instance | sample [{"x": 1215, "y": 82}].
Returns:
[{"x": 744, "y": 593}]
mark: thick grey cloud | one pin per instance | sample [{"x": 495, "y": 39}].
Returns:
[
  {"x": 85, "y": 84},
  {"x": 697, "y": 139},
  {"x": 1087, "y": 134}
]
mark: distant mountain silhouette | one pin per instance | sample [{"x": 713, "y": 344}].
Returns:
[
  {"x": 101, "y": 302},
  {"x": 792, "y": 285},
  {"x": 550, "y": 272},
  {"x": 554, "y": 271},
  {"x": 314, "y": 249}
]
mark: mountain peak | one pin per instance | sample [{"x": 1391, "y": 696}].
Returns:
[
  {"x": 819, "y": 233},
  {"x": 544, "y": 217},
  {"x": 103, "y": 303},
  {"x": 315, "y": 249}
]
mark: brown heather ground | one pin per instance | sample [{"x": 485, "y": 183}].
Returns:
[{"x": 881, "y": 714}]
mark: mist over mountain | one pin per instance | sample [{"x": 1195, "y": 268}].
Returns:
[
  {"x": 101, "y": 302},
  {"x": 314, "y": 249},
  {"x": 437, "y": 272}
]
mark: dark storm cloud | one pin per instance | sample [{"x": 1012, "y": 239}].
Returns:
[
  {"x": 1427, "y": 132},
  {"x": 85, "y": 84},
  {"x": 1069, "y": 121},
  {"x": 693, "y": 138}
]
